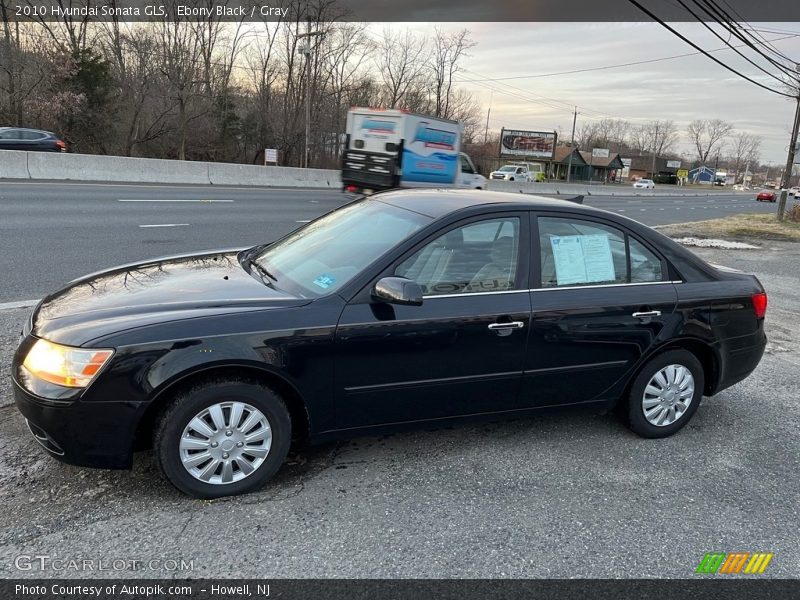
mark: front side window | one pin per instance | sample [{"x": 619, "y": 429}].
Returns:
[
  {"x": 324, "y": 255},
  {"x": 473, "y": 258},
  {"x": 575, "y": 252}
]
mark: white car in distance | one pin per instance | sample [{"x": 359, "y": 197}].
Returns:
[
  {"x": 646, "y": 184},
  {"x": 511, "y": 173}
]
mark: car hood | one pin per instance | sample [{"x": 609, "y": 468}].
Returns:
[{"x": 147, "y": 293}]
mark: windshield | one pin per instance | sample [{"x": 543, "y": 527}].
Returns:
[
  {"x": 324, "y": 255},
  {"x": 507, "y": 168}
]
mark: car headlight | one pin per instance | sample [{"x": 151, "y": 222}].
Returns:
[{"x": 63, "y": 365}]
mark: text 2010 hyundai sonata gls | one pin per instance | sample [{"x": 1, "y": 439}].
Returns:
[{"x": 406, "y": 307}]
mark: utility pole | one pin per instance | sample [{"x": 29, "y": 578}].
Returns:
[
  {"x": 787, "y": 173},
  {"x": 716, "y": 166},
  {"x": 572, "y": 144},
  {"x": 488, "y": 112},
  {"x": 655, "y": 146},
  {"x": 305, "y": 50}
]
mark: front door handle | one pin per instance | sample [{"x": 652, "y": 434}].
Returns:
[
  {"x": 647, "y": 314},
  {"x": 508, "y": 325}
]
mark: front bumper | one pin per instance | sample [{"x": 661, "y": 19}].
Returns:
[{"x": 80, "y": 432}]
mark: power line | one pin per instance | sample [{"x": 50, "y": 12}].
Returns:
[
  {"x": 711, "y": 29},
  {"x": 719, "y": 15},
  {"x": 705, "y": 52},
  {"x": 630, "y": 64},
  {"x": 758, "y": 33}
]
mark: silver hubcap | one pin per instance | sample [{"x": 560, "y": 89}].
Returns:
[
  {"x": 225, "y": 443},
  {"x": 668, "y": 394}
]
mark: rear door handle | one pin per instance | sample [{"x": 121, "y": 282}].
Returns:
[
  {"x": 647, "y": 314},
  {"x": 509, "y": 325}
]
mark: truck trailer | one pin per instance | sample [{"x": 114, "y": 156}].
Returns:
[{"x": 391, "y": 148}]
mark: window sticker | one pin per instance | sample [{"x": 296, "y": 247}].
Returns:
[
  {"x": 325, "y": 281},
  {"x": 582, "y": 259}
]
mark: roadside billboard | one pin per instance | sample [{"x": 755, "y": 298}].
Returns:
[
  {"x": 673, "y": 164},
  {"x": 600, "y": 152},
  {"x": 528, "y": 144}
]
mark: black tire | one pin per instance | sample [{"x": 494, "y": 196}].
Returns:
[
  {"x": 189, "y": 403},
  {"x": 635, "y": 411}
]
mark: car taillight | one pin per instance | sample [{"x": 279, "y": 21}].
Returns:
[
  {"x": 760, "y": 304},
  {"x": 61, "y": 145}
]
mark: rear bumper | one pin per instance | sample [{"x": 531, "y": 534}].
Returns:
[
  {"x": 81, "y": 433},
  {"x": 740, "y": 360}
]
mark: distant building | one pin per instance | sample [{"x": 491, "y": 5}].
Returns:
[
  {"x": 702, "y": 174},
  {"x": 602, "y": 168}
]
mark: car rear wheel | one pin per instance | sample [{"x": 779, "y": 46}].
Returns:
[
  {"x": 665, "y": 394},
  {"x": 222, "y": 438}
]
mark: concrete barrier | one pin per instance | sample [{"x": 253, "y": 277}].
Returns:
[
  {"x": 13, "y": 164},
  {"x": 233, "y": 174},
  {"x": 90, "y": 167},
  {"x": 585, "y": 189}
]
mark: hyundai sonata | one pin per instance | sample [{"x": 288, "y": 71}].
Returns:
[{"x": 405, "y": 308}]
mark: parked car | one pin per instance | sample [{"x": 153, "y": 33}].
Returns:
[
  {"x": 795, "y": 192},
  {"x": 407, "y": 308},
  {"x": 32, "y": 140},
  {"x": 766, "y": 196},
  {"x": 645, "y": 184},
  {"x": 740, "y": 187}
]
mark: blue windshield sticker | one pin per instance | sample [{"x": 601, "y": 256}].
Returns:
[{"x": 325, "y": 281}]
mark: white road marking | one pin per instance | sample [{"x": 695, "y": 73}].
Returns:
[
  {"x": 306, "y": 221},
  {"x": 197, "y": 186},
  {"x": 166, "y": 200},
  {"x": 167, "y": 225},
  {"x": 18, "y": 304}
]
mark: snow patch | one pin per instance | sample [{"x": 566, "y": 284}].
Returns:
[{"x": 712, "y": 243}]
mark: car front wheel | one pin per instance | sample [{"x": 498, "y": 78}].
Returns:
[
  {"x": 222, "y": 438},
  {"x": 665, "y": 394}
]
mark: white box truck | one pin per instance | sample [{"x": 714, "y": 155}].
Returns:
[{"x": 391, "y": 148}]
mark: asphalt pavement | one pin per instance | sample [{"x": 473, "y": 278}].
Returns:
[{"x": 53, "y": 232}]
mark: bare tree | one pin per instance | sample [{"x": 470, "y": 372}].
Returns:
[
  {"x": 400, "y": 65},
  {"x": 745, "y": 151},
  {"x": 707, "y": 136},
  {"x": 446, "y": 53}
]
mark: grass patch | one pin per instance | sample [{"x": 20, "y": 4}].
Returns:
[{"x": 745, "y": 226}]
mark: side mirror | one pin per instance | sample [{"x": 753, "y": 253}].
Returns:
[{"x": 398, "y": 290}]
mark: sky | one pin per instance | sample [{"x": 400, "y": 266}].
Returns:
[{"x": 681, "y": 89}]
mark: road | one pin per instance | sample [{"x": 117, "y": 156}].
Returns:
[
  {"x": 51, "y": 233},
  {"x": 557, "y": 496}
]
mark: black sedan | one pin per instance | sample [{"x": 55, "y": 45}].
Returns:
[
  {"x": 403, "y": 309},
  {"x": 32, "y": 140}
]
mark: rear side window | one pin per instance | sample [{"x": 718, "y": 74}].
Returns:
[
  {"x": 576, "y": 252},
  {"x": 32, "y": 135},
  {"x": 645, "y": 266}
]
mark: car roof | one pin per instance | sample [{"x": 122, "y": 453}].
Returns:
[
  {"x": 437, "y": 203},
  {"x": 27, "y": 129}
]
